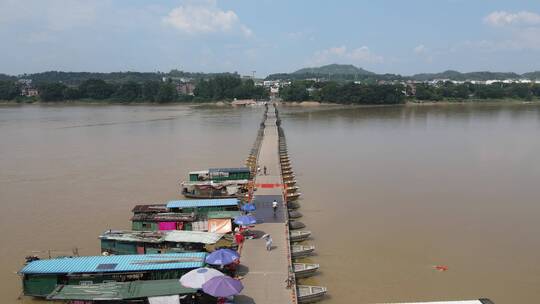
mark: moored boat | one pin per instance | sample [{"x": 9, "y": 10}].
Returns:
[
  {"x": 299, "y": 235},
  {"x": 300, "y": 251},
  {"x": 309, "y": 294},
  {"x": 303, "y": 270},
  {"x": 40, "y": 277},
  {"x": 292, "y": 189},
  {"x": 288, "y": 177},
  {"x": 293, "y": 196},
  {"x": 293, "y": 205},
  {"x": 296, "y": 225},
  {"x": 295, "y": 214},
  {"x": 290, "y": 183},
  {"x": 211, "y": 189}
]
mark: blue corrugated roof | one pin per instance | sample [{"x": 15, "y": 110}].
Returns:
[
  {"x": 230, "y": 170},
  {"x": 116, "y": 263},
  {"x": 202, "y": 203}
]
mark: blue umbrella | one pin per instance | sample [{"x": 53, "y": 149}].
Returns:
[
  {"x": 248, "y": 207},
  {"x": 245, "y": 220},
  {"x": 222, "y": 257},
  {"x": 222, "y": 286}
]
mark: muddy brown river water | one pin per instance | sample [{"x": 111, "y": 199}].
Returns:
[{"x": 389, "y": 193}]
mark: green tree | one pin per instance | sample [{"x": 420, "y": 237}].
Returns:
[
  {"x": 128, "y": 91},
  {"x": 296, "y": 91},
  {"x": 72, "y": 93},
  {"x": 9, "y": 90},
  {"x": 96, "y": 89},
  {"x": 166, "y": 93},
  {"x": 150, "y": 90},
  {"x": 52, "y": 91}
]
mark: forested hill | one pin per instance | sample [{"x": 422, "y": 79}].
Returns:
[
  {"x": 455, "y": 75},
  {"x": 342, "y": 72},
  {"x": 333, "y": 69}
]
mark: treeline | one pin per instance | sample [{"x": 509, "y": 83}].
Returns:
[
  {"x": 217, "y": 88},
  {"x": 228, "y": 87},
  {"x": 77, "y": 78},
  {"x": 97, "y": 89},
  {"x": 499, "y": 90},
  {"x": 343, "y": 92}
]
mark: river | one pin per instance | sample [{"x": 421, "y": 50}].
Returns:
[{"x": 389, "y": 192}]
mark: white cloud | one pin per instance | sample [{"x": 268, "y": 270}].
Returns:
[
  {"x": 504, "y": 18},
  {"x": 420, "y": 49},
  {"x": 341, "y": 53},
  {"x": 204, "y": 17}
]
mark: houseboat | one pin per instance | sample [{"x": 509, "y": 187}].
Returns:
[
  {"x": 220, "y": 174},
  {"x": 40, "y": 277},
  {"x": 184, "y": 215},
  {"x": 211, "y": 189},
  {"x": 123, "y": 292},
  {"x": 152, "y": 242}
]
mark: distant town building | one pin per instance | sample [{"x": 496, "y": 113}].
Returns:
[
  {"x": 185, "y": 88},
  {"x": 29, "y": 92},
  {"x": 274, "y": 91}
]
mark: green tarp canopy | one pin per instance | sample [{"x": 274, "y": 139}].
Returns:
[
  {"x": 223, "y": 214},
  {"x": 119, "y": 290}
]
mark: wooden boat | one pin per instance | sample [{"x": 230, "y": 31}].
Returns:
[
  {"x": 303, "y": 270},
  {"x": 296, "y": 225},
  {"x": 293, "y": 196},
  {"x": 295, "y": 214},
  {"x": 309, "y": 294},
  {"x": 292, "y": 189},
  {"x": 300, "y": 251},
  {"x": 299, "y": 235},
  {"x": 288, "y": 177},
  {"x": 290, "y": 183},
  {"x": 287, "y": 172},
  {"x": 293, "y": 205}
]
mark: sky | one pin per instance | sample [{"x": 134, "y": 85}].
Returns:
[{"x": 268, "y": 36}]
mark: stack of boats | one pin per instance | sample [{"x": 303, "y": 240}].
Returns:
[{"x": 299, "y": 250}]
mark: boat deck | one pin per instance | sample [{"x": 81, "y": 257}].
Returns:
[{"x": 266, "y": 272}]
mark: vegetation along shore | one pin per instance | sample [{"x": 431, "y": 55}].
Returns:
[{"x": 336, "y": 84}]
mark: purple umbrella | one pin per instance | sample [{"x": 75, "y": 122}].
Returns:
[
  {"x": 222, "y": 286},
  {"x": 248, "y": 207},
  {"x": 245, "y": 220},
  {"x": 222, "y": 257}
]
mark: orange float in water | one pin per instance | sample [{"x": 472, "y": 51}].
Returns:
[{"x": 441, "y": 267}]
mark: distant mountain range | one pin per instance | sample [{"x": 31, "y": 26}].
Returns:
[
  {"x": 337, "y": 72},
  {"x": 350, "y": 72}
]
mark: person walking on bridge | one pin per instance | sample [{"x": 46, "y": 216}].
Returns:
[
  {"x": 268, "y": 239},
  {"x": 264, "y": 169},
  {"x": 274, "y": 206}
]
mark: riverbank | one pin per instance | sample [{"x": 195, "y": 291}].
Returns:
[{"x": 309, "y": 103}]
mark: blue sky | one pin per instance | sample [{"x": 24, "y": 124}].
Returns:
[{"x": 266, "y": 36}]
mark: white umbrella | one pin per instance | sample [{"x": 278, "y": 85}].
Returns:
[{"x": 197, "y": 277}]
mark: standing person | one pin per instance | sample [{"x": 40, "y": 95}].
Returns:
[
  {"x": 258, "y": 170},
  {"x": 264, "y": 170},
  {"x": 268, "y": 242},
  {"x": 239, "y": 238},
  {"x": 274, "y": 206}
]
